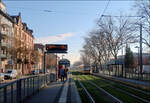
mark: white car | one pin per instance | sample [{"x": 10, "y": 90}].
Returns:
[
  {"x": 35, "y": 72},
  {"x": 10, "y": 74},
  {"x": 1, "y": 76}
]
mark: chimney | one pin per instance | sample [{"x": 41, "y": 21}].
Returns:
[{"x": 19, "y": 14}]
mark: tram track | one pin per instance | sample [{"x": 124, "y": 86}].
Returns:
[
  {"x": 136, "y": 87},
  {"x": 103, "y": 94},
  {"x": 132, "y": 91},
  {"x": 86, "y": 91},
  {"x": 124, "y": 91}
]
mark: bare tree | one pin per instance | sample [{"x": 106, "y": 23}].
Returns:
[
  {"x": 117, "y": 32},
  {"x": 77, "y": 63},
  {"x": 106, "y": 41},
  {"x": 88, "y": 56},
  {"x": 96, "y": 49},
  {"x": 143, "y": 10}
]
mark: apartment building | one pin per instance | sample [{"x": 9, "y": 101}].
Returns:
[
  {"x": 16, "y": 43},
  {"x": 6, "y": 39},
  {"x": 39, "y": 52},
  {"x": 24, "y": 45}
]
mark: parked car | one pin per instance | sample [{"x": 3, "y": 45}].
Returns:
[
  {"x": 1, "y": 77},
  {"x": 10, "y": 74},
  {"x": 35, "y": 72},
  {"x": 47, "y": 71},
  {"x": 41, "y": 71}
]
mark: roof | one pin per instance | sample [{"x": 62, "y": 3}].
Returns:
[
  {"x": 2, "y": 2},
  {"x": 15, "y": 17},
  {"x": 38, "y": 45},
  {"x": 64, "y": 62},
  {"x": 26, "y": 29},
  {"x": 6, "y": 16}
]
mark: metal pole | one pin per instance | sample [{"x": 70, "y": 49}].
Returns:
[
  {"x": 141, "y": 61},
  {"x": 56, "y": 67},
  {"x": 138, "y": 63},
  {"x": 0, "y": 47},
  {"x": 44, "y": 62}
]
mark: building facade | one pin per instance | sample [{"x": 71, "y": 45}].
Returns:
[
  {"x": 16, "y": 43},
  {"x": 24, "y": 46},
  {"x": 6, "y": 39},
  {"x": 28, "y": 47},
  {"x": 39, "y": 56}
]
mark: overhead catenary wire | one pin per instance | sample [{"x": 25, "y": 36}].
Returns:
[
  {"x": 104, "y": 10},
  {"x": 44, "y": 10},
  {"x": 52, "y": 11}
]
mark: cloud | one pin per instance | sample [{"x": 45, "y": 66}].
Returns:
[{"x": 53, "y": 39}]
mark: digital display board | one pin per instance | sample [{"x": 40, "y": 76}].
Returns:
[{"x": 56, "y": 48}]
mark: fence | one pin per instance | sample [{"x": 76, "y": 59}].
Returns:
[
  {"x": 17, "y": 91},
  {"x": 129, "y": 75}
]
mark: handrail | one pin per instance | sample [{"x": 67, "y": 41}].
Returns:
[{"x": 17, "y": 90}]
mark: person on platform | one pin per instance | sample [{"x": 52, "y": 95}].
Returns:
[
  {"x": 62, "y": 73},
  {"x": 66, "y": 73}
]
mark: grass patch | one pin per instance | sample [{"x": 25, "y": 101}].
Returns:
[
  {"x": 108, "y": 87},
  {"x": 81, "y": 92},
  {"x": 95, "y": 93},
  {"x": 130, "y": 90}
]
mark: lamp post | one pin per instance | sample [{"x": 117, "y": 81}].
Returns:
[
  {"x": 57, "y": 66},
  {"x": 0, "y": 46},
  {"x": 44, "y": 62},
  {"x": 138, "y": 60}
]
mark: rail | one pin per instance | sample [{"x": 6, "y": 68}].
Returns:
[{"x": 87, "y": 93}]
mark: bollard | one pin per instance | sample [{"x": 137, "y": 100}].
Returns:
[
  {"x": 18, "y": 91},
  {"x": 11, "y": 93},
  {"x": 24, "y": 87},
  {"x": 33, "y": 85},
  {"x": 5, "y": 94},
  {"x": 38, "y": 84},
  {"x": 27, "y": 86}
]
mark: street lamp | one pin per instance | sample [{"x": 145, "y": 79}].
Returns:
[
  {"x": 0, "y": 47},
  {"x": 138, "y": 59}
]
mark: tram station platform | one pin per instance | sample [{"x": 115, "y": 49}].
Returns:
[{"x": 57, "y": 92}]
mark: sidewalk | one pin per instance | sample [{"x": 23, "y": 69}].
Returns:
[
  {"x": 46, "y": 95},
  {"x": 57, "y": 92}
]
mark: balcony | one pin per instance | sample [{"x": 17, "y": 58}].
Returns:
[
  {"x": 3, "y": 56},
  {"x": 6, "y": 24},
  {"x": 4, "y": 34},
  {"x": 4, "y": 45}
]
